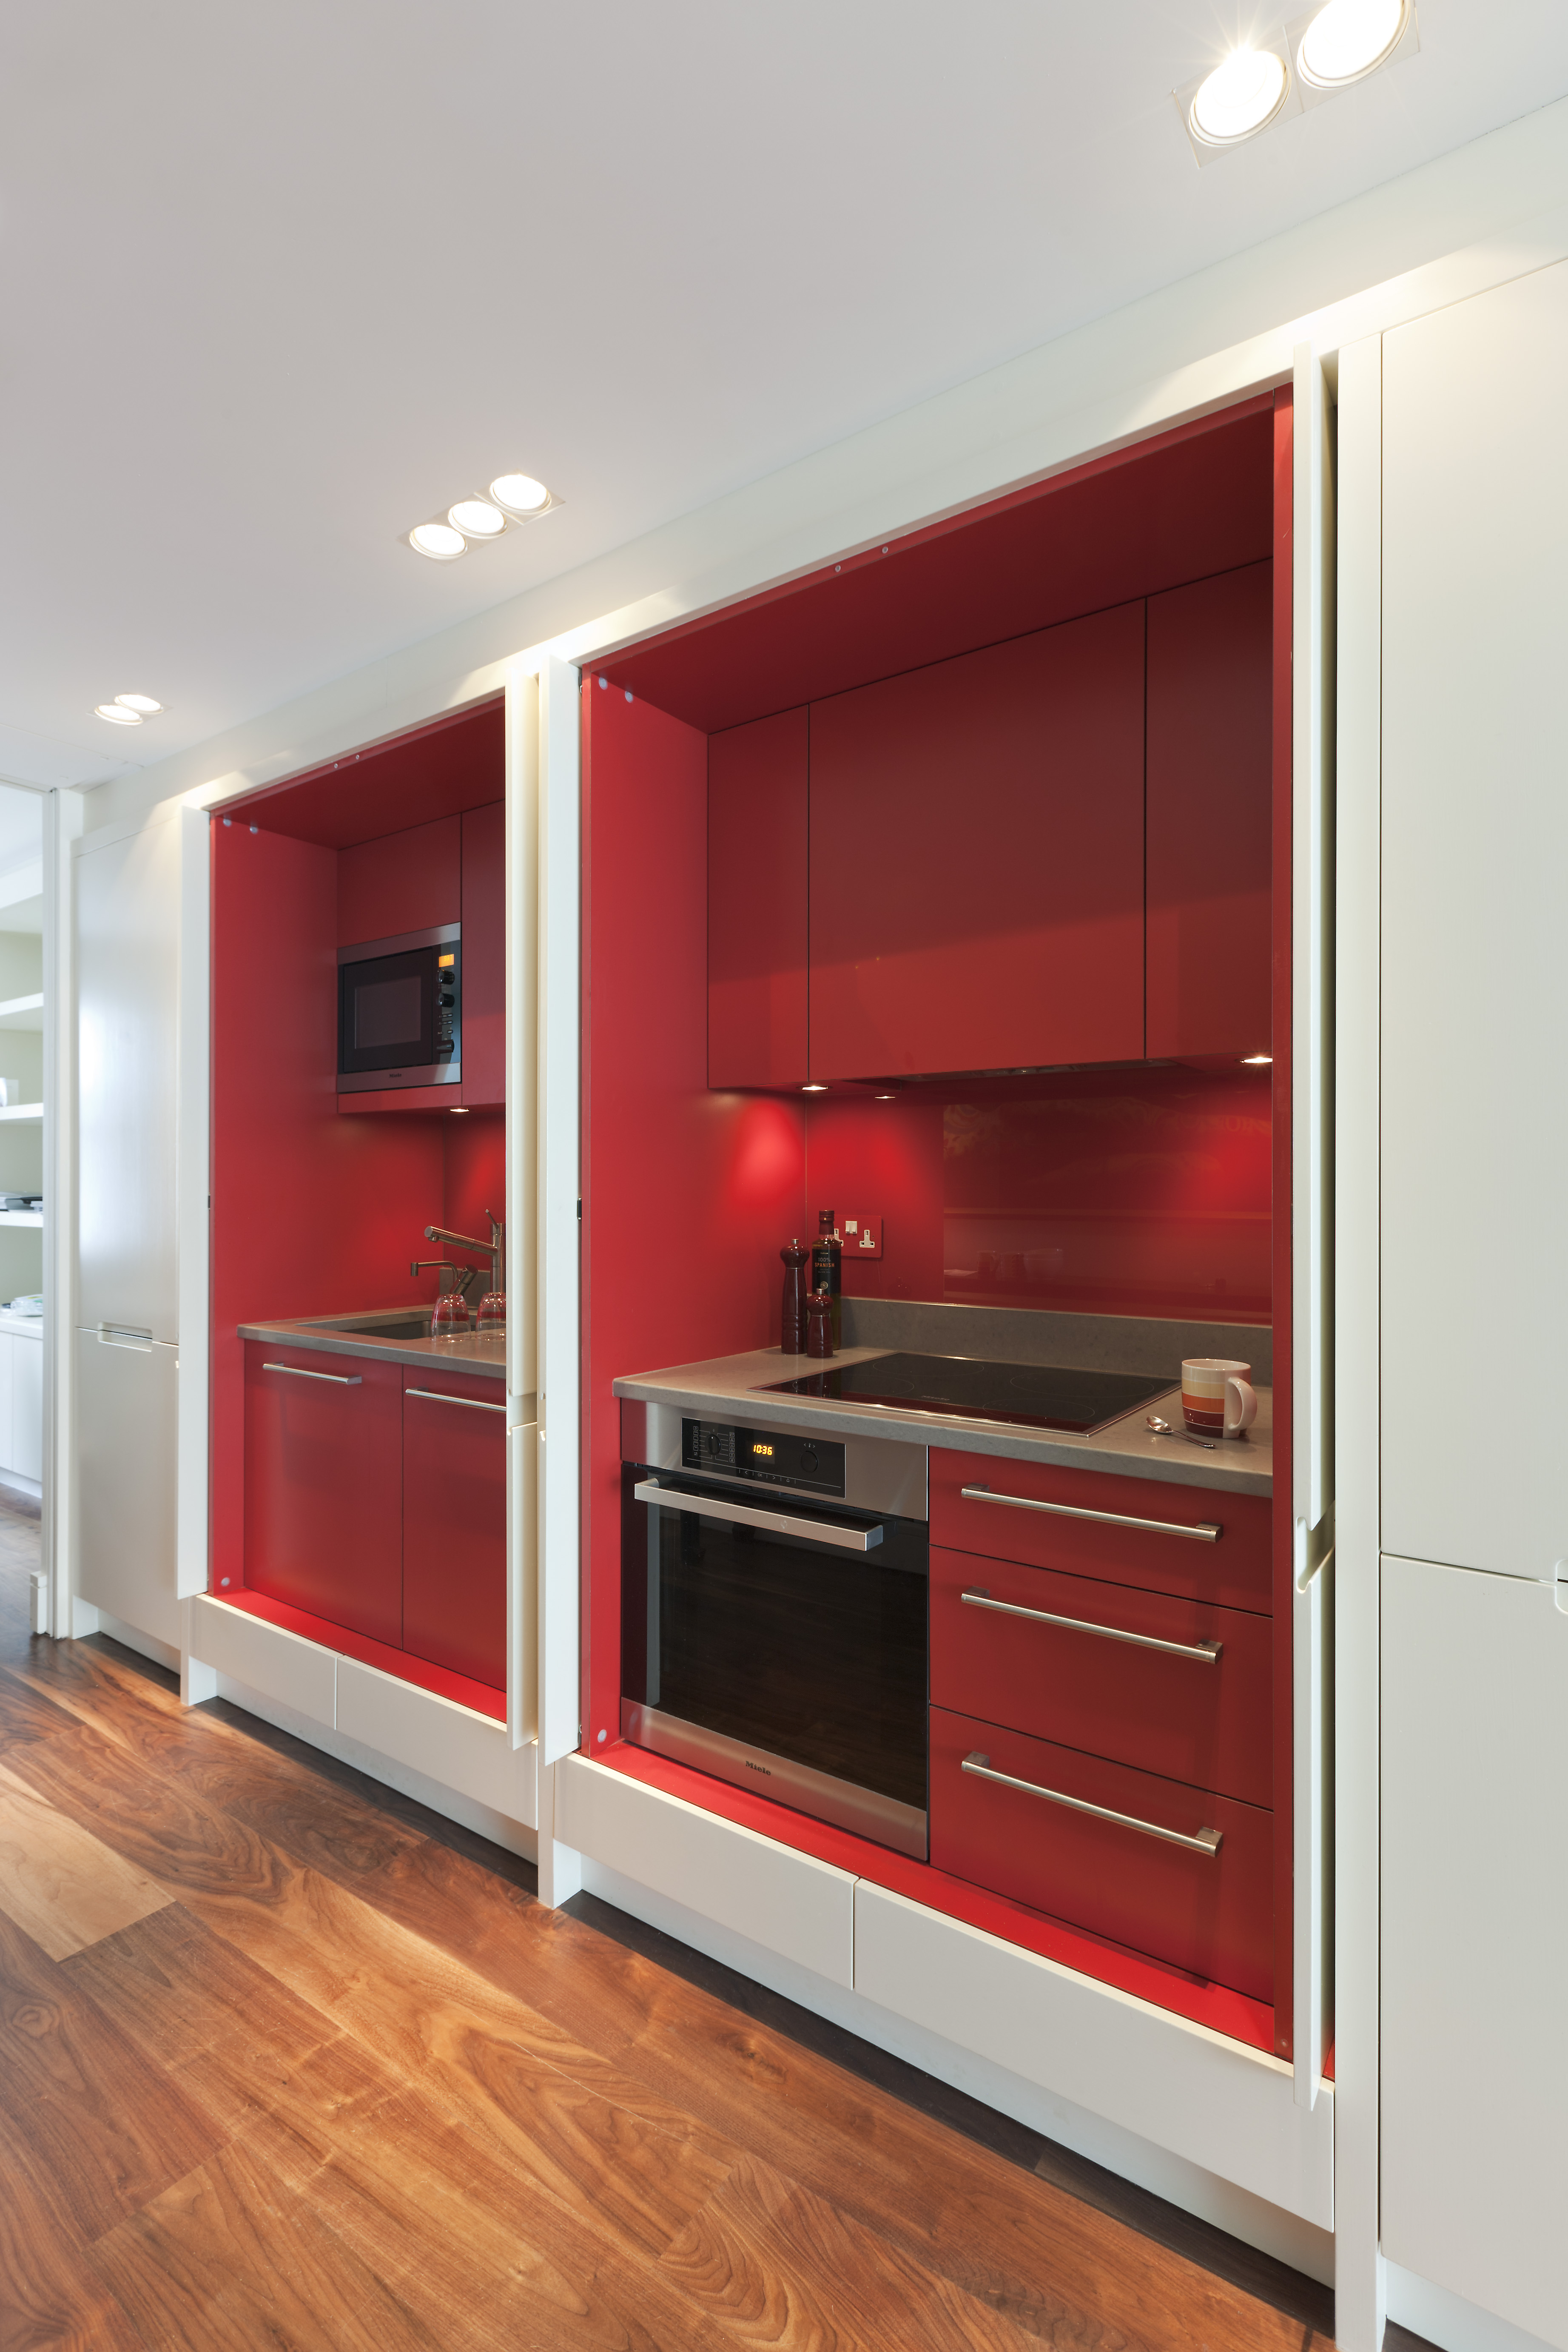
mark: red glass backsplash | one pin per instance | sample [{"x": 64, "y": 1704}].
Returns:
[{"x": 1113, "y": 1191}]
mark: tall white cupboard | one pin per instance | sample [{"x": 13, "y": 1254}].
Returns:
[{"x": 1474, "y": 1302}]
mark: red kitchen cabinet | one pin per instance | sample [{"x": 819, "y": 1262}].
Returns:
[
  {"x": 403, "y": 882},
  {"x": 977, "y": 859},
  {"x": 484, "y": 954},
  {"x": 1209, "y": 815},
  {"x": 1152, "y": 1679},
  {"x": 454, "y": 1522},
  {"x": 757, "y": 903},
  {"x": 324, "y": 1521}
]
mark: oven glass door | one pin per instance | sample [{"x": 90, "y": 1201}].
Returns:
[{"x": 782, "y": 1659}]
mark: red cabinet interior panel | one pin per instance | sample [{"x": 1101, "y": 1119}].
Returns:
[
  {"x": 484, "y": 954},
  {"x": 454, "y": 1522},
  {"x": 1233, "y": 1569},
  {"x": 757, "y": 903},
  {"x": 977, "y": 859},
  {"x": 403, "y": 882},
  {"x": 1203, "y": 1718},
  {"x": 1210, "y": 815},
  {"x": 1211, "y": 1913},
  {"x": 323, "y": 1503}
]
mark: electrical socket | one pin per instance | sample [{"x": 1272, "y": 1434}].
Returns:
[{"x": 861, "y": 1237}]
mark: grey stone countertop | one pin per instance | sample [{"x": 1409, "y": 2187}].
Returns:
[
  {"x": 1241, "y": 1465},
  {"x": 316, "y": 1332}
]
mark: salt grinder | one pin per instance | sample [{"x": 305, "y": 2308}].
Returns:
[{"x": 791, "y": 1323}]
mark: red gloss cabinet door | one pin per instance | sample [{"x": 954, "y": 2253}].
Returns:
[
  {"x": 1197, "y": 1710},
  {"x": 484, "y": 954},
  {"x": 454, "y": 1522},
  {"x": 977, "y": 859},
  {"x": 1211, "y": 1913},
  {"x": 324, "y": 1522},
  {"x": 1210, "y": 804},
  {"x": 757, "y": 903}
]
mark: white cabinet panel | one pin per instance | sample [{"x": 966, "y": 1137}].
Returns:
[
  {"x": 1475, "y": 1936},
  {"x": 27, "y": 1418},
  {"x": 7, "y": 1400},
  {"x": 1475, "y": 849},
  {"x": 795, "y": 1904},
  {"x": 127, "y": 913},
  {"x": 451, "y": 1744},
  {"x": 126, "y": 1401},
  {"x": 267, "y": 1658}
]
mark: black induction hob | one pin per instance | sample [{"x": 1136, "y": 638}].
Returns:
[{"x": 1040, "y": 1396}]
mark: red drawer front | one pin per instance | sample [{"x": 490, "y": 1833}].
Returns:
[
  {"x": 1186, "y": 1717},
  {"x": 1211, "y": 1914},
  {"x": 323, "y": 1523},
  {"x": 454, "y": 1523},
  {"x": 1233, "y": 1570}
]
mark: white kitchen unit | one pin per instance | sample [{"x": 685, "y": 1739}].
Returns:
[
  {"x": 1474, "y": 1278},
  {"x": 22, "y": 1400}
]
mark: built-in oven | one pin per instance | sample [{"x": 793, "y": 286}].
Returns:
[
  {"x": 774, "y": 1594},
  {"x": 400, "y": 1011}
]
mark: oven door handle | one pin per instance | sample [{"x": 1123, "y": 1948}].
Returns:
[{"x": 777, "y": 1523}]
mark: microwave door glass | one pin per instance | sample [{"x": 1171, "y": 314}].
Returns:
[{"x": 390, "y": 1013}]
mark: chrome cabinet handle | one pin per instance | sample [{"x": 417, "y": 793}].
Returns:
[
  {"x": 708, "y": 1507},
  {"x": 297, "y": 1372},
  {"x": 1205, "y": 1841},
  {"x": 439, "y": 1396},
  {"x": 1208, "y": 1654},
  {"x": 1206, "y": 1531}
]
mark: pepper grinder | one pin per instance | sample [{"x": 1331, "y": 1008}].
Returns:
[
  {"x": 819, "y": 1323},
  {"x": 792, "y": 1324}
]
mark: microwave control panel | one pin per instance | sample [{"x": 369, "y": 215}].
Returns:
[{"x": 774, "y": 1457}]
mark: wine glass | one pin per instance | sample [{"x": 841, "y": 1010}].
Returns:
[
  {"x": 449, "y": 1316},
  {"x": 492, "y": 1315}
]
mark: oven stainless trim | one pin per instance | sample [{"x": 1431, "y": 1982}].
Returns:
[
  {"x": 418, "y": 1073},
  {"x": 825, "y": 1798},
  {"x": 880, "y": 1474},
  {"x": 445, "y": 935},
  {"x": 745, "y": 1514}
]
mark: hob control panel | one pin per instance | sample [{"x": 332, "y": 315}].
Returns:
[{"x": 775, "y": 1458}]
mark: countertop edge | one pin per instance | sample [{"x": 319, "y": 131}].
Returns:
[{"x": 430, "y": 1353}]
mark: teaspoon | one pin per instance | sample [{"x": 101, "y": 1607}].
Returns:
[{"x": 1164, "y": 1429}]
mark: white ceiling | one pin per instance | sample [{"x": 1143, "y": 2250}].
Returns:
[{"x": 277, "y": 283}]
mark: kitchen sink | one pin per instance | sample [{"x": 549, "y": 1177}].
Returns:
[{"x": 383, "y": 1327}]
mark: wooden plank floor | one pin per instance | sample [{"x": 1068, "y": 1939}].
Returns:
[{"x": 286, "y": 2062}]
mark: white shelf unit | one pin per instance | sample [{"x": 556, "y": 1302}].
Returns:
[
  {"x": 22, "y": 1013},
  {"x": 22, "y": 1217},
  {"x": 22, "y": 1110}
]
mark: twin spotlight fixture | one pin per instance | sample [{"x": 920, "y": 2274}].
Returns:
[
  {"x": 1314, "y": 58},
  {"x": 511, "y": 498}
]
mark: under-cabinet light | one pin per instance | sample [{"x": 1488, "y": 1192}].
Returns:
[
  {"x": 117, "y": 714},
  {"x": 142, "y": 704},
  {"x": 1239, "y": 98},
  {"x": 459, "y": 1110},
  {"x": 519, "y": 494},
  {"x": 1251, "y": 1061},
  {"x": 438, "y": 540},
  {"x": 887, "y": 1097},
  {"x": 813, "y": 1090},
  {"x": 477, "y": 518},
  {"x": 1349, "y": 38}
]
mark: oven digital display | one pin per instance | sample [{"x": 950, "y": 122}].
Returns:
[{"x": 776, "y": 1457}]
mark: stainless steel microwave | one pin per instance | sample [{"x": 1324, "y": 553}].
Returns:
[{"x": 400, "y": 1011}]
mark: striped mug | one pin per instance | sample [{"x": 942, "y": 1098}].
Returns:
[{"x": 1219, "y": 1399}]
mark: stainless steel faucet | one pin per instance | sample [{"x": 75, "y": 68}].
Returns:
[
  {"x": 494, "y": 1249},
  {"x": 462, "y": 1275}
]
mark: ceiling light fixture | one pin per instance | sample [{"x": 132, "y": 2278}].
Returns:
[
  {"x": 521, "y": 495},
  {"x": 1240, "y": 98},
  {"x": 438, "y": 540},
  {"x": 477, "y": 518},
  {"x": 1349, "y": 38},
  {"x": 117, "y": 714},
  {"x": 142, "y": 704}
]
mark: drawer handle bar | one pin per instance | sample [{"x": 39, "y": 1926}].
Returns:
[
  {"x": 1208, "y": 1654},
  {"x": 1204, "y": 1532},
  {"x": 1206, "y": 1841},
  {"x": 297, "y": 1372},
  {"x": 710, "y": 1507},
  {"x": 439, "y": 1396}
]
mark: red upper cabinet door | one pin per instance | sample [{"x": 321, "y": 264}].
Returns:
[
  {"x": 1210, "y": 703},
  {"x": 484, "y": 954},
  {"x": 454, "y": 1522},
  {"x": 404, "y": 882},
  {"x": 977, "y": 859},
  {"x": 757, "y": 903},
  {"x": 323, "y": 1520}
]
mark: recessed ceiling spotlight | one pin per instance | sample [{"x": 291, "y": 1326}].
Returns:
[
  {"x": 519, "y": 494},
  {"x": 117, "y": 714},
  {"x": 438, "y": 540},
  {"x": 142, "y": 704},
  {"x": 1349, "y": 38},
  {"x": 477, "y": 518},
  {"x": 1240, "y": 98}
]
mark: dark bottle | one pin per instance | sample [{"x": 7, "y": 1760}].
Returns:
[
  {"x": 792, "y": 1324},
  {"x": 819, "y": 1323},
  {"x": 827, "y": 1269}
]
